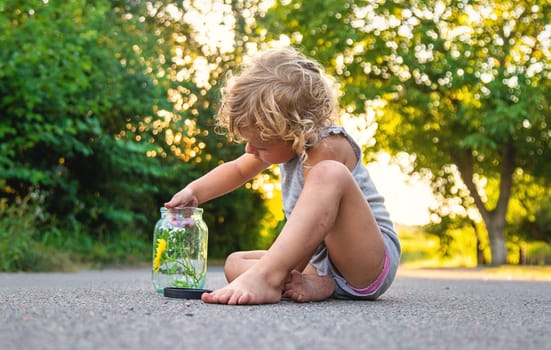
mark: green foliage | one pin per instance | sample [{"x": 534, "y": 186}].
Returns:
[
  {"x": 530, "y": 211},
  {"x": 20, "y": 224},
  {"x": 234, "y": 227},
  {"x": 460, "y": 241},
  {"x": 65, "y": 97},
  {"x": 92, "y": 116},
  {"x": 538, "y": 253},
  {"x": 103, "y": 114},
  {"x": 30, "y": 240},
  {"x": 417, "y": 245},
  {"x": 462, "y": 84},
  {"x": 538, "y": 225},
  {"x": 456, "y": 246}
]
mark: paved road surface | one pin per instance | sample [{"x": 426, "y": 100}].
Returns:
[{"x": 119, "y": 310}]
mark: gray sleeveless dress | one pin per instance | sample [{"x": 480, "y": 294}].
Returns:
[{"x": 292, "y": 182}]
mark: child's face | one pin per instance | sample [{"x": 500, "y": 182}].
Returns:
[{"x": 271, "y": 152}]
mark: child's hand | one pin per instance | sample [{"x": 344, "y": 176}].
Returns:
[{"x": 184, "y": 198}]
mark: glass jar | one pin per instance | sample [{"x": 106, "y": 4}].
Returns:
[{"x": 180, "y": 241}]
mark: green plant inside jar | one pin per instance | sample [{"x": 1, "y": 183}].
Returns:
[{"x": 176, "y": 248}]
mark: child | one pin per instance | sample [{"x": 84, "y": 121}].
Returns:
[{"x": 338, "y": 239}]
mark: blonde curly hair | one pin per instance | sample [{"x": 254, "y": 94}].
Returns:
[{"x": 281, "y": 94}]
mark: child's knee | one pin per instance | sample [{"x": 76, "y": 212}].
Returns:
[
  {"x": 234, "y": 265},
  {"x": 230, "y": 264},
  {"x": 329, "y": 171},
  {"x": 233, "y": 259}
]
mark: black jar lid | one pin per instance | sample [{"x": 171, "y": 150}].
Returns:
[{"x": 184, "y": 293}]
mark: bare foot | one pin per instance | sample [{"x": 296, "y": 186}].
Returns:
[
  {"x": 248, "y": 288},
  {"x": 305, "y": 287}
]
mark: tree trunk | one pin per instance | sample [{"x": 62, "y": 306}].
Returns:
[
  {"x": 495, "y": 226},
  {"x": 494, "y": 219},
  {"x": 480, "y": 260}
]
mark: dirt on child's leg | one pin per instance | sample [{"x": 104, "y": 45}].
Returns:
[{"x": 354, "y": 242}]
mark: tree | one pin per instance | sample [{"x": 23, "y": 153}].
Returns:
[
  {"x": 71, "y": 80},
  {"x": 530, "y": 214},
  {"x": 203, "y": 42},
  {"x": 104, "y": 112},
  {"x": 463, "y": 86}
]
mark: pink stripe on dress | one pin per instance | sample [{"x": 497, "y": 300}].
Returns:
[{"x": 378, "y": 282}]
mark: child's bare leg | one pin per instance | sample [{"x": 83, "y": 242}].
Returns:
[
  {"x": 308, "y": 286},
  {"x": 331, "y": 208},
  {"x": 239, "y": 262}
]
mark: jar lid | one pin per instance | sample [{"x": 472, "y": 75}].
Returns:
[{"x": 184, "y": 293}]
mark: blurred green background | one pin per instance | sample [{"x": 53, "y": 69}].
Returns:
[{"x": 107, "y": 109}]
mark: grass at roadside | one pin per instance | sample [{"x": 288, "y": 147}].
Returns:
[
  {"x": 504, "y": 272},
  {"x": 421, "y": 257}
]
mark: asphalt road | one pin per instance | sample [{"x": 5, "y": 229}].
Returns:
[{"x": 118, "y": 309}]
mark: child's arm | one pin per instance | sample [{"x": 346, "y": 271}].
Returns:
[{"x": 221, "y": 180}]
